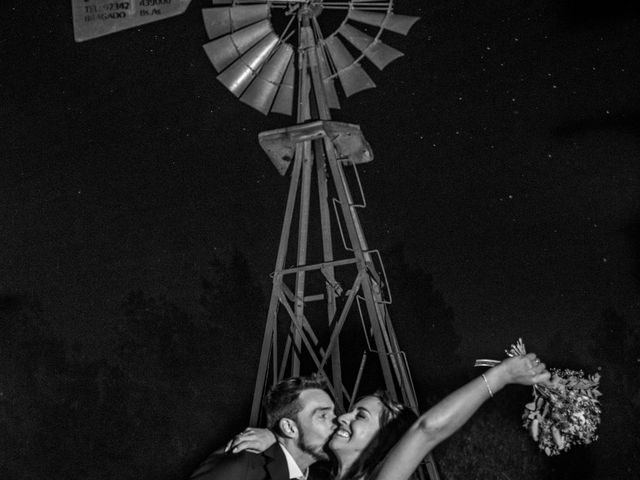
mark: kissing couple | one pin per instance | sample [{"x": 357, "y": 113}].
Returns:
[{"x": 378, "y": 439}]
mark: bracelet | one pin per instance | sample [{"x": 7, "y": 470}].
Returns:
[{"x": 487, "y": 384}]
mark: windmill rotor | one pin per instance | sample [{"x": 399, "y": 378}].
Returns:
[{"x": 256, "y": 63}]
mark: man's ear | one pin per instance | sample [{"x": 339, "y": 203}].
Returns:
[{"x": 288, "y": 427}]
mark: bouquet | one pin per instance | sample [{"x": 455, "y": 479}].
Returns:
[{"x": 564, "y": 413}]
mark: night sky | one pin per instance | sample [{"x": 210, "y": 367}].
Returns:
[{"x": 506, "y": 146}]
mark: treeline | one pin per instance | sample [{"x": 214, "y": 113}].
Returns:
[
  {"x": 169, "y": 384},
  {"x": 493, "y": 445},
  {"x": 166, "y": 385}
]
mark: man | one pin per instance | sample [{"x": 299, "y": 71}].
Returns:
[{"x": 302, "y": 416}]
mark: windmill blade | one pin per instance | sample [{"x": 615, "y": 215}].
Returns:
[
  {"x": 224, "y": 20},
  {"x": 329, "y": 85},
  {"x": 260, "y": 70},
  {"x": 262, "y": 91},
  {"x": 284, "y": 98},
  {"x": 239, "y": 75},
  {"x": 225, "y": 50},
  {"x": 352, "y": 76},
  {"x": 396, "y": 23},
  {"x": 379, "y": 53}
]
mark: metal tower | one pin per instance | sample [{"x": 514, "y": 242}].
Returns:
[{"x": 315, "y": 299}]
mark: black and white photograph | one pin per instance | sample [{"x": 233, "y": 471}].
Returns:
[{"x": 320, "y": 240}]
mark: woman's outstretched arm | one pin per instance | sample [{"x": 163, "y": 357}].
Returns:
[{"x": 444, "y": 418}]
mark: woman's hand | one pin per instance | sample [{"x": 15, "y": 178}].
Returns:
[
  {"x": 524, "y": 370},
  {"x": 255, "y": 440}
]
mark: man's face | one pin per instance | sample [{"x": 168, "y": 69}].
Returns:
[{"x": 316, "y": 422}]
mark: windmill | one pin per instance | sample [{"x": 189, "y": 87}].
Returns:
[
  {"x": 265, "y": 71},
  {"x": 315, "y": 301}
]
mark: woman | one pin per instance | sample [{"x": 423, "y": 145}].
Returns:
[
  {"x": 382, "y": 440},
  {"x": 366, "y": 433}
]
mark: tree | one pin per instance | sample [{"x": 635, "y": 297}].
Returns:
[
  {"x": 32, "y": 380},
  {"x": 617, "y": 344},
  {"x": 233, "y": 304},
  {"x": 632, "y": 232},
  {"x": 168, "y": 385},
  {"x": 421, "y": 317}
]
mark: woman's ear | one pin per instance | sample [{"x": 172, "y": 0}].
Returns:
[{"x": 288, "y": 428}]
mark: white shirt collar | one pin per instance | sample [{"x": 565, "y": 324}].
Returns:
[{"x": 294, "y": 469}]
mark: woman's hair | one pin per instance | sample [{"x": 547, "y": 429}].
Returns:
[{"x": 395, "y": 420}]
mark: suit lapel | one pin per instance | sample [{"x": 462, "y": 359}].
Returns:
[{"x": 276, "y": 463}]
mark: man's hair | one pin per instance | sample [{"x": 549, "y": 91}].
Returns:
[{"x": 282, "y": 400}]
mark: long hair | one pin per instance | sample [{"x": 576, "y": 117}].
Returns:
[{"x": 395, "y": 419}]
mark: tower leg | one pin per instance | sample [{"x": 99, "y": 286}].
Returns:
[{"x": 308, "y": 345}]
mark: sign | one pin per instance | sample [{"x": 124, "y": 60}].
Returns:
[{"x": 95, "y": 18}]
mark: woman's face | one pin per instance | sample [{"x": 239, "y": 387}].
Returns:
[{"x": 357, "y": 428}]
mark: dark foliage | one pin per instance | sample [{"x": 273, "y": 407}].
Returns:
[
  {"x": 616, "y": 346},
  {"x": 422, "y": 319},
  {"x": 162, "y": 393},
  {"x": 172, "y": 384}
]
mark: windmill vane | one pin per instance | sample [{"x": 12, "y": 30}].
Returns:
[{"x": 257, "y": 64}]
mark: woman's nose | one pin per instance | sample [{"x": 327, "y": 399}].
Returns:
[{"x": 343, "y": 419}]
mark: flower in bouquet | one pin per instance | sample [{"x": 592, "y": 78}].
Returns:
[{"x": 564, "y": 413}]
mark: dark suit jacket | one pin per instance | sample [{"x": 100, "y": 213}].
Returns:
[{"x": 268, "y": 465}]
